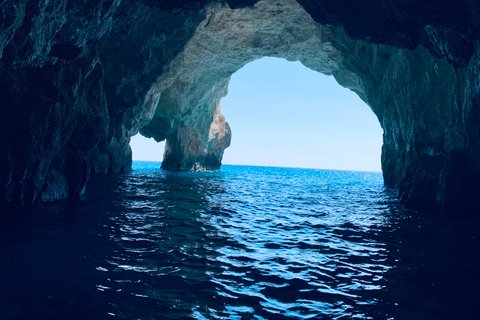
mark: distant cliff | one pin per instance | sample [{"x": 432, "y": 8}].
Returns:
[{"x": 78, "y": 79}]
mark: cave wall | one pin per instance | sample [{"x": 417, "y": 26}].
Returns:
[
  {"x": 78, "y": 79},
  {"x": 75, "y": 85}
]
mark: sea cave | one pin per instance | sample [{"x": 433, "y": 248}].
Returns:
[
  {"x": 79, "y": 80},
  {"x": 83, "y": 236}
]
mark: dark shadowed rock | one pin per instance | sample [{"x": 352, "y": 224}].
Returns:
[{"x": 452, "y": 194}]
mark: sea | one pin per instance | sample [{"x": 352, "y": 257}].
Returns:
[{"x": 243, "y": 242}]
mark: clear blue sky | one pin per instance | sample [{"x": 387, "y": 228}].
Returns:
[{"x": 284, "y": 114}]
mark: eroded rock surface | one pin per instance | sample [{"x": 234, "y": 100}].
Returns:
[{"x": 77, "y": 81}]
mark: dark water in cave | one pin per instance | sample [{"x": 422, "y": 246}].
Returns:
[{"x": 241, "y": 243}]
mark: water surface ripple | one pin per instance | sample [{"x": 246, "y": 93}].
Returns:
[{"x": 241, "y": 243}]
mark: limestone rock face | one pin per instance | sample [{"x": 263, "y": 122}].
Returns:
[
  {"x": 196, "y": 80},
  {"x": 77, "y": 82},
  {"x": 75, "y": 85}
]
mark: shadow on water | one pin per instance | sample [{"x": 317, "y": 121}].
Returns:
[
  {"x": 434, "y": 268},
  {"x": 136, "y": 246},
  {"x": 244, "y": 243}
]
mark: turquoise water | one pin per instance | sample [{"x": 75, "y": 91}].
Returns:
[{"x": 240, "y": 243}]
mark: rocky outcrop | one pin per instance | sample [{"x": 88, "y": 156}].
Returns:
[
  {"x": 77, "y": 83},
  {"x": 75, "y": 86}
]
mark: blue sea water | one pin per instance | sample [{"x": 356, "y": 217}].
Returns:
[{"x": 240, "y": 243}]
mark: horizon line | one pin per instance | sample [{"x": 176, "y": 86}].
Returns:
[{"x": 275, "y": 166}]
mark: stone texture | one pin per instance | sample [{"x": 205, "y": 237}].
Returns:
[
  {"x": 75, "y": 86},
  {"x": 196, "y": 80},
  {"x": 446, "y": 28},
  {"x": 78, "y": 79}
]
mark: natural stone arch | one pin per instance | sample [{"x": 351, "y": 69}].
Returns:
[
  {"x": 76, "y": 84},
  {"x": 198, "y": 78},
  {"x": 397, "y": 84}
]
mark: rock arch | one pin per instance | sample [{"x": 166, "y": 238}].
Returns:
[{"x": 77, "y": 84}]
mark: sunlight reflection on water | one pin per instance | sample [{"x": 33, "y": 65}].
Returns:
[{"x": 242, "y": 243}]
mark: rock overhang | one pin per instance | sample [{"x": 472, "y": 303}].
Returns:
[{"x": 79, "y": 83}]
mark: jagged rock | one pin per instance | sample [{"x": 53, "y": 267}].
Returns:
[
  {"x": 184, "y": 151},
  {"x": 452, "y": 188},
  {"x": 76, "y": 83}
]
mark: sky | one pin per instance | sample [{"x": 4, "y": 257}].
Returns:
[{"x": 283, "y": 114}]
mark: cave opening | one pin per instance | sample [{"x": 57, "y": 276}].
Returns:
[
  {"x": 245, "y": 242},
  {"x": 284, "y": 114},
  {"x": 146, "y": 149}
]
